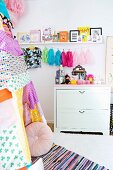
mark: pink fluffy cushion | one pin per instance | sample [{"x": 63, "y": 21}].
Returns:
[{"x": 40, "y": 138}]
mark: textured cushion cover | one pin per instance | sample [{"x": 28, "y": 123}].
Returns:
[{"x": 40, "y": 138}]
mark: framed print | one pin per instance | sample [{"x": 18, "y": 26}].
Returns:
[
  {"x": 109, "y": 61},
  {"x": 55, "y": 37},
  {"x": 63, "y": 36},
  {"x": 84, "y": 33},
  {"x": 23, "y": 37},
  {"x": 96, "y": 31},
  {"x": 47, "y": 35},
  {"x": 74, "y": 35},
  {"x": 35, "y": 36},
  {"x": 96, "y": 34}
]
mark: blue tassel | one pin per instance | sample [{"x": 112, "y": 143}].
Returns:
[
  {"x": 51, "y": 57},
  {"x": 58, "y": 58}
]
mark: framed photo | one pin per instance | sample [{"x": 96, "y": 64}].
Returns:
[
  {"x": 74, "y": 35},
  {"x": 96, "y": 34}
]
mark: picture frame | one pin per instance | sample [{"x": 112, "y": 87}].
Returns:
[
  {"x": 73, "y": 35},
  {"x": 96, "y": 31},
  {"x": 35, "y": 36},
  {"x": 23, "y": 37},
  {"x": 47, "y": 35},
  {"x": 63, "y": 36},
  {"x": 96, "y": 34},
  {"x": 55, "y": 37}
]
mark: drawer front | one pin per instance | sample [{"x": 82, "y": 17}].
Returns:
[
  {"x": 83, "y": 99},
  {"x": 90, "y": 120}
]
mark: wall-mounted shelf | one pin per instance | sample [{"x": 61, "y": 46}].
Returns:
[{"x": 60, "y": 43}]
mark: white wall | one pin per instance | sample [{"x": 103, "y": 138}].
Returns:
[{"x": 66, "y": 15}]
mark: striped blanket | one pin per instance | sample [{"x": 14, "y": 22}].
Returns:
[{"x": 59, "y": 158}]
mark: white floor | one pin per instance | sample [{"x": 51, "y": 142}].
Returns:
[{"x": 97, "y": 148}]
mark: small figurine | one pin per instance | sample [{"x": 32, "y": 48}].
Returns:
[
  {"x": 90, "y": 77},
  {"x": 80, "y": 72},
  {"x": 67, "y": 79},
  {"x": 60, "y": 76},
  {"x": 79, "y": 82},
  {"x": 74, "y": 82}
]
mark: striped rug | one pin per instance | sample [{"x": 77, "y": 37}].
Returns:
[{"x": 59, "y": 158}]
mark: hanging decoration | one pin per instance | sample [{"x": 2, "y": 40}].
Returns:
[
  {"x": 15, "y": 9},
  {"x": 82, "y": 56},
  {"x": 15, "y": 6},
  {"x": 45, "y": 55},
  {"x": 51, "y": 57},
  {"x": 58, "y": 58},
  {"x": 32, "y": 57}
]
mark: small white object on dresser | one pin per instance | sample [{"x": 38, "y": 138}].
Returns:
[{"x": 82, "y": 108}]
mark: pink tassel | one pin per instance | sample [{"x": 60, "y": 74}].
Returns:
[
  {"x": 75, "y": 58},
  {"x": 64, "y": 59},
  {"x": 15, "y": 6},
  {"x": 88, "y": 56},
  {"x": 69, "y": 59},
  {"x": 82, "y": 58}
]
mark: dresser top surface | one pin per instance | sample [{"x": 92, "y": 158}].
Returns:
[{"x": 64, "y": 86}]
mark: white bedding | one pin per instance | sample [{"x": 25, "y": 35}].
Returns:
[{"x": 98, "y": 148}]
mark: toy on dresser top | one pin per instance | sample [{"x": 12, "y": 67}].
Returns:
[
  {"x": 60, "y": 76},
  {"x": 78, "y": 77},
  {"x": 79, "y": 74}
]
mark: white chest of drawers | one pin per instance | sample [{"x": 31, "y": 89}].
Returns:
[{"x": 82, "y": 108}]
